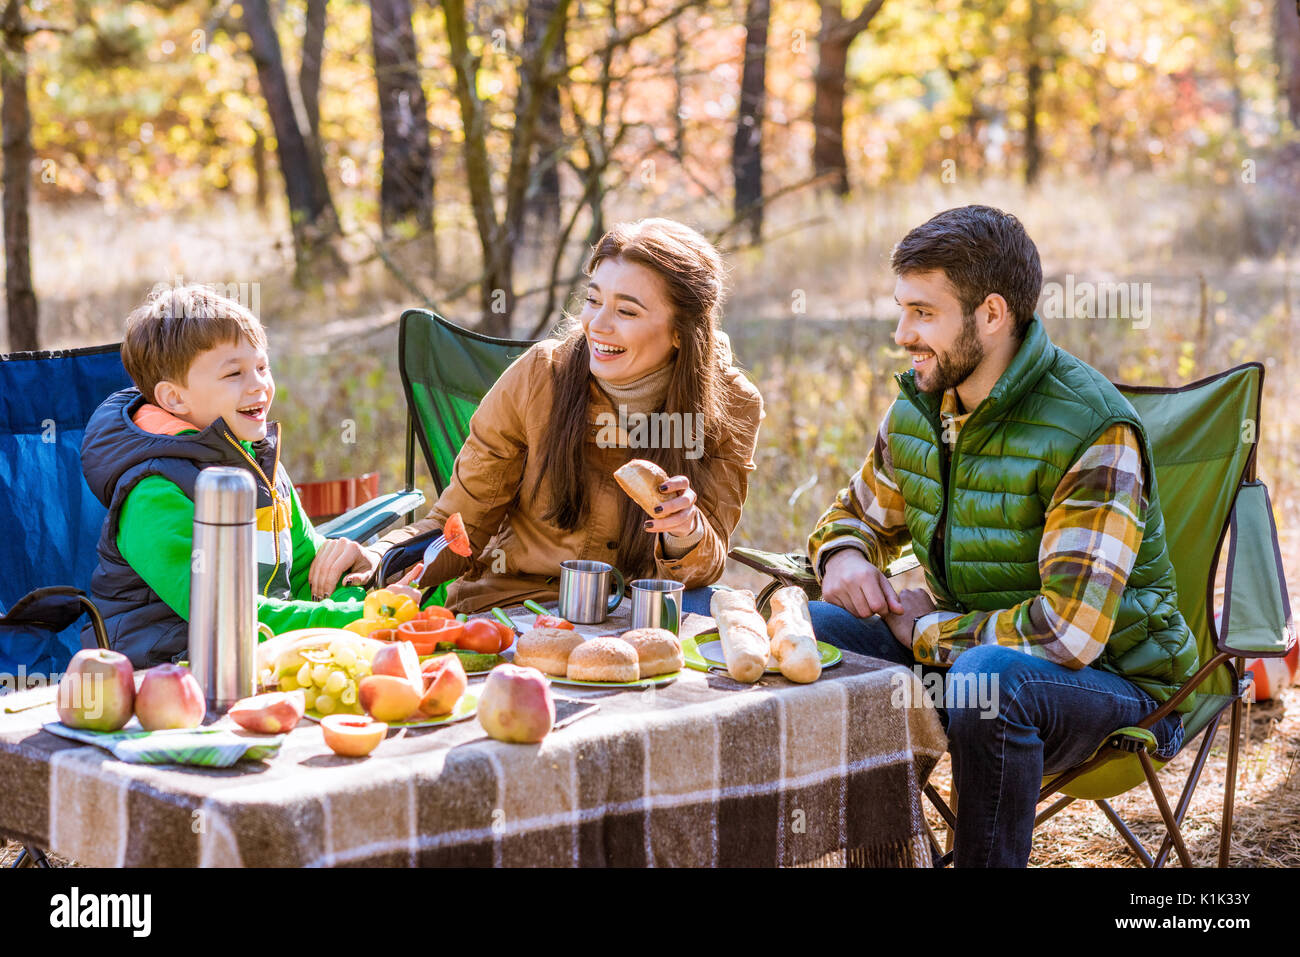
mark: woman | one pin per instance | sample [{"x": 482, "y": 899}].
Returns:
[{"x": 534, "y": 481}]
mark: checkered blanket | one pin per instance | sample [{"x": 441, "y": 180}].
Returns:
[{"x": 701, "y": 772}]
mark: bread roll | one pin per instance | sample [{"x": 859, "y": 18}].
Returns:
[
  {"x": 793, "y": 644},
  {"x": 658, "y": 651},
  {"x": 546, "y": 649},
  {"x": 641, "y": 480},
  {"x": 604, "y": 659},
  {"x": 745, "y": 644}
]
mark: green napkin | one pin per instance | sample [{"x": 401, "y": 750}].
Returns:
[{"x": 203, "y": 747}]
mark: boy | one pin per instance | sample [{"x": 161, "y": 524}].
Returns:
[{"x": 204, "y": 391}]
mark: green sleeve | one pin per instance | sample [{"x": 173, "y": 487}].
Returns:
[
  {"x": 156, "y": 537},
  {"x": 155, "y": 534},
  {"x": 306, "y": 542},
  {"x": 344, "y": 606}
]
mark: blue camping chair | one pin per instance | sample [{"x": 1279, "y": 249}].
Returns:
[{"x": 50, "y": 521}]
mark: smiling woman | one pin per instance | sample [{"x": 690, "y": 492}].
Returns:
[{"x": 534, "y": 479}]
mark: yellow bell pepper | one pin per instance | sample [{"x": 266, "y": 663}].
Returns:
[{"x": 383, "y": 609}]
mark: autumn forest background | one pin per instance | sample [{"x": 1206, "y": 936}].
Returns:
[{"x": 344, "y": 160}]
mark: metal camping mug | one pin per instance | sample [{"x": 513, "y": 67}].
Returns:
[
  {"x": 657, "y": 603},
  {"x": 585, "y": 597}
]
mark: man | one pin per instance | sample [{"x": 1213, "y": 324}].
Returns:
[{"x": 1023, "y": 481}]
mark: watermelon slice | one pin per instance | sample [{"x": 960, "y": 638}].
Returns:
[{"x": 454, "y": 533}]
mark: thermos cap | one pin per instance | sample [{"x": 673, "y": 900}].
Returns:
[{"x": 225, "y": 496}]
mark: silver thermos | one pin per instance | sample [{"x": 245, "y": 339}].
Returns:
[{"x": 223, "y": 586}]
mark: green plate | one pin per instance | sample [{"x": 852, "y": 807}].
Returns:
[
  {"x": 466, "y": 707},
  {"x": 641, "y": 683},
  {"x": 703, "y": 655}
]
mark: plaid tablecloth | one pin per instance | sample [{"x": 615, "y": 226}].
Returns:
[{"x": 701, "y": 772}]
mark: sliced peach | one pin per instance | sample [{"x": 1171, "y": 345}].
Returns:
[
  {"x": 444, "y": 682},
  {"x": 351, "y": 735},
  {"x": 272, "y": 713},
  {"x": 388, "y": 698}
]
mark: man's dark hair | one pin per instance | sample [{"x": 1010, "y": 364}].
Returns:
[{"x": 981, "y": 250}]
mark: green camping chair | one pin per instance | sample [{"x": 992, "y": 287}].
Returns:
[
  {"x": 1204, "y": 437},
  {"x": 446, "y": 371}
]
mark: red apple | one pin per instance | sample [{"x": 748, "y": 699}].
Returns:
[
  {"x": 169, "y": 697},
  {"x": 272, "y": 713},
  {"x": 97, "y": 692},
  {"x": 352, "y": 735},
  {"x": 516, "y": 704}
]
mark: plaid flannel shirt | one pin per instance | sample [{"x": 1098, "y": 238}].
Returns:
[{"x": 1091, "y": 535}]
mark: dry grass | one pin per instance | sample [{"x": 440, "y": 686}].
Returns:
[{"x": 1266, "y": 810}]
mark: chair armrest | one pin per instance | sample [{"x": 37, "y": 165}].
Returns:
[
  {"x": 368, "y": 520},
  {"x": 401, "y": 557},
  {"x": 1257, "y": 618}
]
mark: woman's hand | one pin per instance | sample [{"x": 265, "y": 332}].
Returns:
[
  {"x": 678, "y": 515},
  {"x": 339, "y": 556}
]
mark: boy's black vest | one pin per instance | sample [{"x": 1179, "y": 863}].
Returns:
[{"x": 115, "y": 455}]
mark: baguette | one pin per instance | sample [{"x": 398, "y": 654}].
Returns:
[
  {"x": 641, "y": 480},
  {"x": 793, "y": 645},
  {"x": 745, "y": 643}
]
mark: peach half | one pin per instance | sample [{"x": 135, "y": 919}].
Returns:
[{"x": 352, "y": 735}]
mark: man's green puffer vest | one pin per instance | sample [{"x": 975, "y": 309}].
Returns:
[{"x": 994, "y": 491}]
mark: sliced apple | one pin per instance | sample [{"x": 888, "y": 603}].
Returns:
[
  {"x": 352, "y": 735},
  {"x": 399, "y": 659},
  {"x": 444, "y": 682},
  {"x": 273, "y": 713}
]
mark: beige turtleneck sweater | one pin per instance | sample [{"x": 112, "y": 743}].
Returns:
[{"x": 643, "y": 396}]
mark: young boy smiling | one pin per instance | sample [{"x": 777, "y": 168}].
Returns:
[{"x": 204, "y": 391}]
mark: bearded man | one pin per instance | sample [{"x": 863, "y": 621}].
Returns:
[{"x": 1023, "y": 481}]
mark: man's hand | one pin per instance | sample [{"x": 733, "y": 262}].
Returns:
[
  {"x": 858, "y": 586},
  {"x": 337, "y": 557},
  {"x": 915, "y": 602}
]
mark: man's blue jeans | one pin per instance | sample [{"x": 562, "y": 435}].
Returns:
[{"x": 1021, "y": 717}]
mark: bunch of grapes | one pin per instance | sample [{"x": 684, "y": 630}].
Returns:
[{"x": 329, "y": 678}]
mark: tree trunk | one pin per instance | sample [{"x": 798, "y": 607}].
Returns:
[
  {"x": 313, "y": 45},
  {"x": 834, "y": 37},
  {"x": 1287, "y": 45},
  {"x": 747, "y": 147},
  {"x": 406, "y": 192},
  {"x": 311, "y": 212},
  {"x": 543, "y": 200},
  {"x": 15, "y": 120},
  {"x": 1033, "y": 86},
  {"x": 828, "y": 100}
]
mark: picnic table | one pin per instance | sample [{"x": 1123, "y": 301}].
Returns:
[{"x": 700, "y": 772}]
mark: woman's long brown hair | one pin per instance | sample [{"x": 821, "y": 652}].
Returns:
[{"x": 692, "y": 274}]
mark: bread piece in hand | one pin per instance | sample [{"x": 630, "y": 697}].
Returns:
[
  {"x": 745, "y": 643},
  {"x": 641, "y": 480},
  {"x": 793, "y": 645}
]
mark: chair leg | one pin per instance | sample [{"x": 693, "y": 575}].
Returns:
[
  {"x": 1060, "y": 805},
  {"x": 1129, "y": 837},
  {"x": 31, "y": 856},
  {"x": 1230, "y": 785},
  {"x": 1158, "y": 793},
  {"x": 1189, "y": 788}
]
